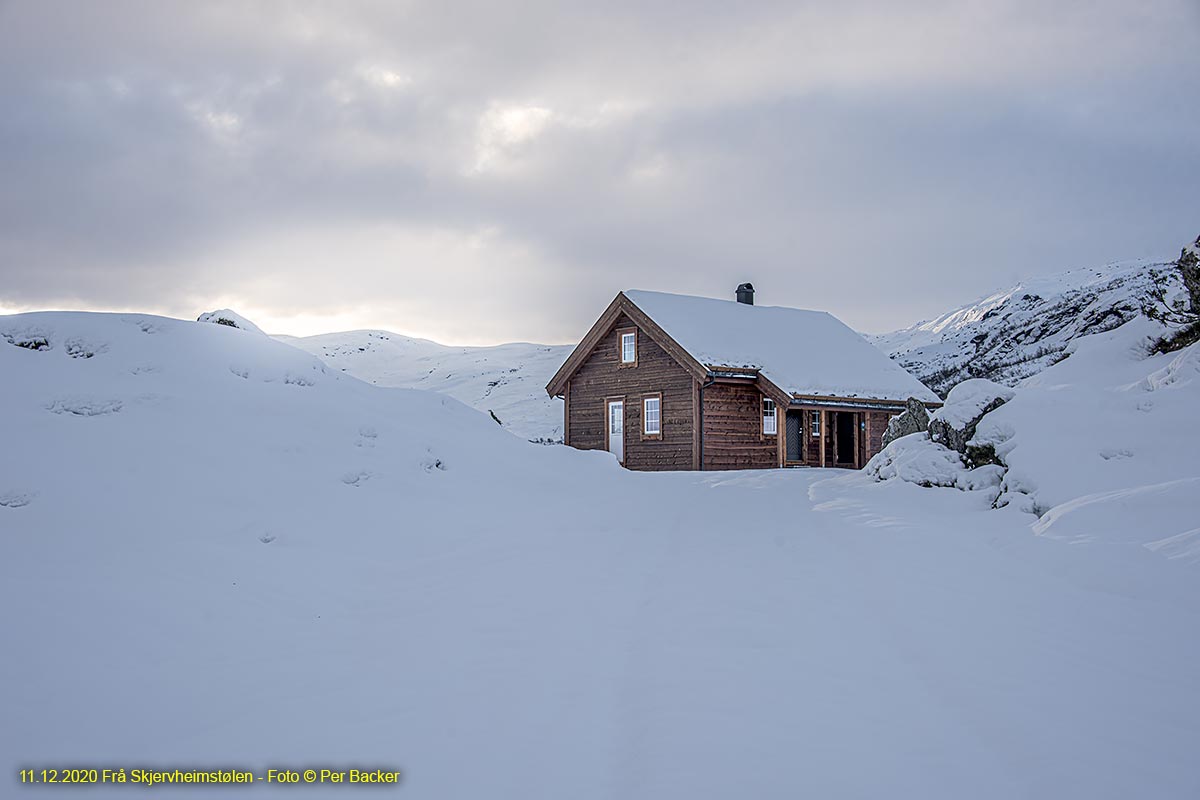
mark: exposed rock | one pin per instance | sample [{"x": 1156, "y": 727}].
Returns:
[
  {"x": 953, "y": 425},
  {"x": 1013, "y": 334},
  {"x": 230, "y": 319},
  {"x": 914, "y": 419},
  {"x": 1189, "y": 270},
  {"x": 1182, "y": 311}
]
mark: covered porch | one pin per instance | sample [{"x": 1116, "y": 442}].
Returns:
[{"x": 816, "y": 433}]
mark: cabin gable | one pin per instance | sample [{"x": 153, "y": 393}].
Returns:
[{"x": 601, "y": 377}]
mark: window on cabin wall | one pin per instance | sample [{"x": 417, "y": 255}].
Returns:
[
  {"x": 815, "y": 425},
  {"x": 652, "y": 415},
  {"x": 629, "y": 347},
  {"x": 769, "y": 421}
]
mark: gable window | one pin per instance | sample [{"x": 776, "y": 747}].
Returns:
[
  {"x": 629, "y": 347},
  {"x": 652, "y": 415},
  {"x": 768, "y": 416},
  {"x": 816, "y": 423}
]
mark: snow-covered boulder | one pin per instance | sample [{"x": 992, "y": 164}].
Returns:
[
  {"x": 916, "y": 459},
  {"x": 231, "y": 319},
  {"x": 914, "y": 419},
  {"x": 953, "y": 425}
]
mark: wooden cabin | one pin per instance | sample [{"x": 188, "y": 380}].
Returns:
[{"x": 672, "y": 382}]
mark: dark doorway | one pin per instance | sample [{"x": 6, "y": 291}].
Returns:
[
  {"x": 792, "y": 431},
  {"x": 845, "y": 437}
]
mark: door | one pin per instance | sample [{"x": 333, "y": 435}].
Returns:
[
  {"x": 616, "y": 429},
  {"x": 793, "y": 433},
  {"x": 846, "y": 433}
]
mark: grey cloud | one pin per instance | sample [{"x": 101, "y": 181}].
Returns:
[{"x": 879, "y": 160}]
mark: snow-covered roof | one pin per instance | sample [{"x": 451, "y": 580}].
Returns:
[{"x": 802, "y": 352}]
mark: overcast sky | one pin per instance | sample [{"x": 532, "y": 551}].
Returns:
[{"x": 486, "y": 172}]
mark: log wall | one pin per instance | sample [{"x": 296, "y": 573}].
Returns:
[
  {"x": 733, "y": 437},
  {"x": 603, "y": 377}
]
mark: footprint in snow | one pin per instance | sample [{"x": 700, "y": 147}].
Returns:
[
  {"x": 366, "y": 437},
  {"x": 356, "y": 478},
  {"x": 84, "y": 406},
  {"x": 15, "y": 499}
]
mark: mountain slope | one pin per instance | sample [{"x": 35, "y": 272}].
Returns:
[
  {"x": 215, "y": 550},
  {"x": 1015, "y": 333},
  {"x": 506, "y": 381}
]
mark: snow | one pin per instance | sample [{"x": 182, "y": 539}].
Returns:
[
  {"x": 1101, "y": 446},
  {"x": 1110, "y": 424},
  {"x": 230, "y": 319},
  {"x": 506, "y": 380},
  {"x": 255, "y": 559},
  {"x": 802, "y": 352},
  {"x": 1016, "y": 332},
  {"x": 967, "y": 401},
  {"x": 915, "y": 459}
]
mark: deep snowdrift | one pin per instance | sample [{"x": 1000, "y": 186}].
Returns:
[
  {"x": 218, "y": 551},
  {"x": 1102, "y": 446},
  {"x": 507, "y": 380}
]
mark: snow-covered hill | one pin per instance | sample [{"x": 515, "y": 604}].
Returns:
[
  {"x": 1017, "y": 332},
  {"x": 506, "y": 381},
  {"x": 1101, "y": 446},
  {"x": 216, "y": 550}
]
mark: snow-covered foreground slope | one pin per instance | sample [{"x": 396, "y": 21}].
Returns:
[
  {"x": 507, "y": 380},
  {"x": 218, "y": 551},
  {"x": 1106, "y": 443},
  {"x": 1017, "y": 332}
]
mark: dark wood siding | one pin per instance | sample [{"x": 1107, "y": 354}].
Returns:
[
  {"x": 602, "y": 376},
  {"x": 733, "y": 436},
  {"x": 877, "y": 422}
]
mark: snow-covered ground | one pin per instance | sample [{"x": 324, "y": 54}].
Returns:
[
  {"x": 507, "y": 380},
  {"x": 1016, "y": 332},
  {"x": 218, "y": 550}
]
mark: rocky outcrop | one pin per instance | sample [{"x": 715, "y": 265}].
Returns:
[
  {"x": 914, "y": 419},
  {"x": 1021, "y": 331},
  {"x": 1189, "y": 269},
  {"x": 953, "y": 425},
  {"x": 230, "y": 319}
]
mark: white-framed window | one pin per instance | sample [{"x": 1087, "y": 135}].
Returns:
[
  {"x": 768, "y": 415},
  {"x": 652, "y": 415},
  {"x": 815, "y": 427},
  {"x": 629, "y": 347}
]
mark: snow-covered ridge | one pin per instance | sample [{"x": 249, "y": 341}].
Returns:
[
  {"x": 1012, "y": 334},
  {"x": 506, "y": 381}
]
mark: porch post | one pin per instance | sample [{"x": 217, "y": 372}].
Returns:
[{"x": 824, "y": 433}]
